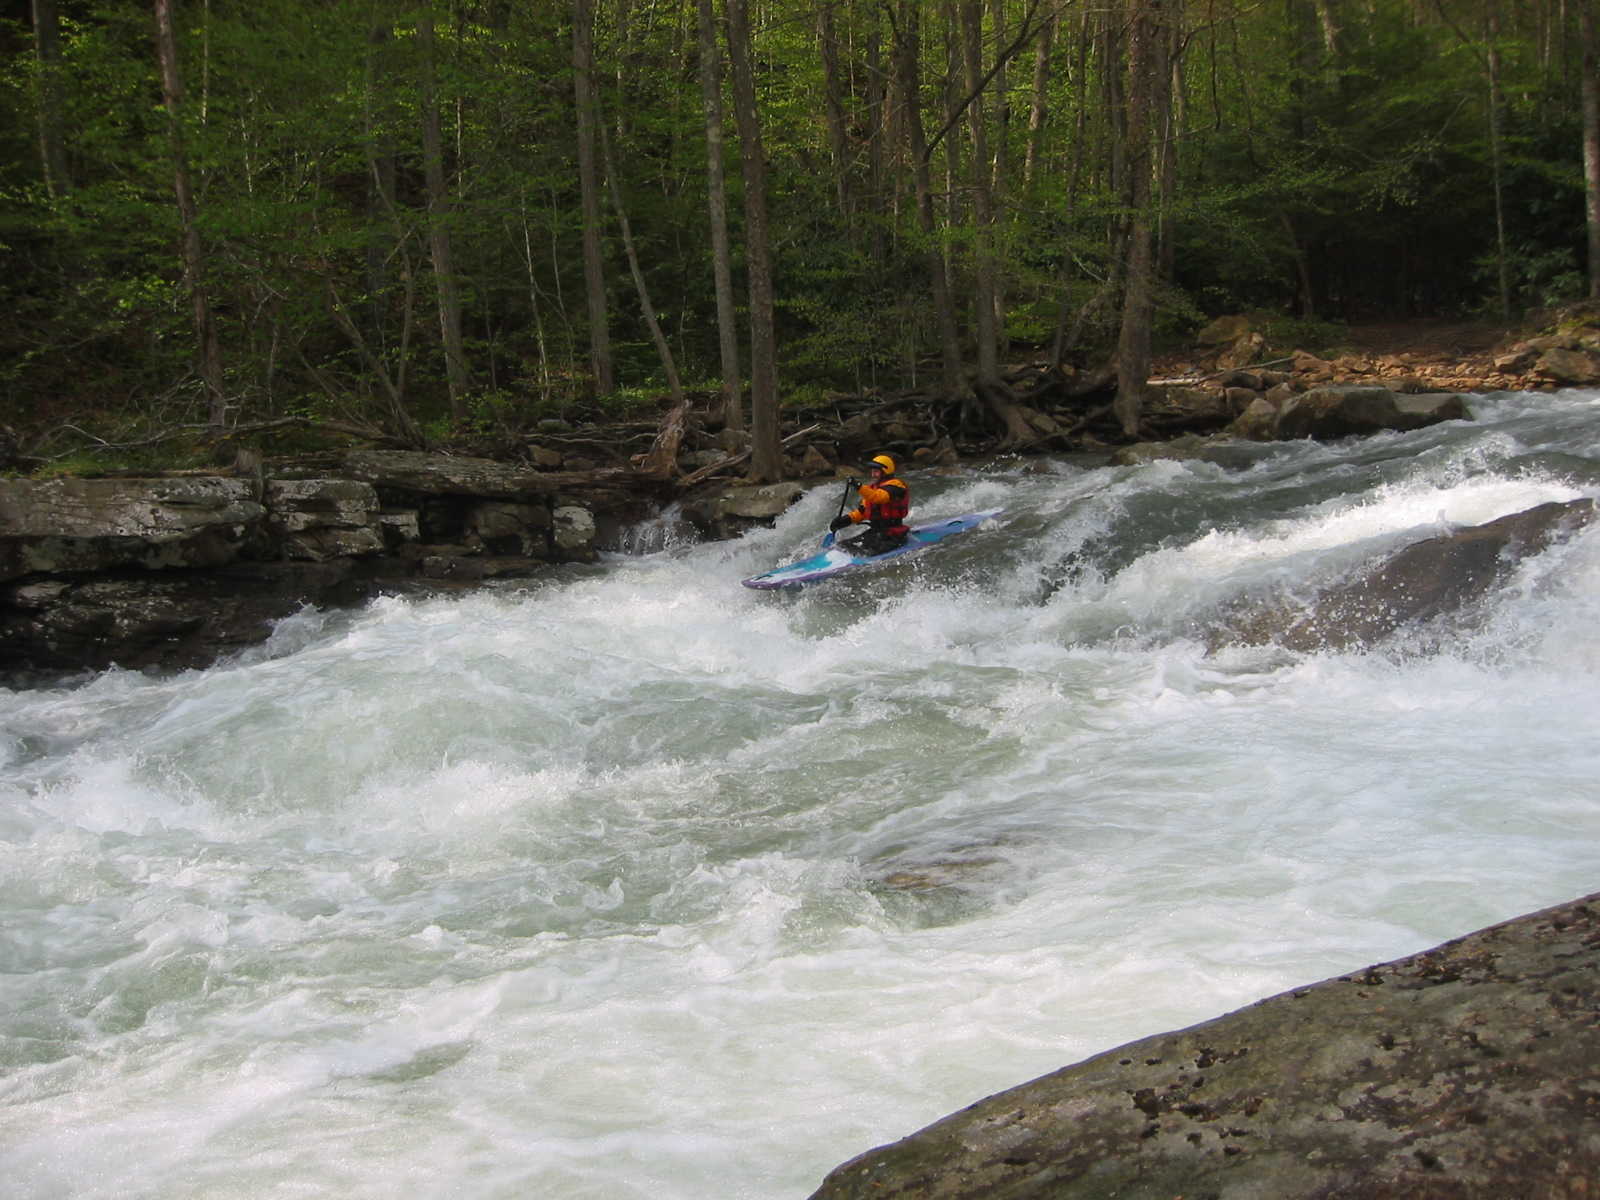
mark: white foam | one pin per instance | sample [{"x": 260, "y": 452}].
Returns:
[{"x": 638, "y": 883}]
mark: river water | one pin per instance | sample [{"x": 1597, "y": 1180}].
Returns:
[{"x": 637, "y": 883}]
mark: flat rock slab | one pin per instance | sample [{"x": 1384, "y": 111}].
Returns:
[
  {"x": 448, "y": 475},
  {"x": 71, "y": 525},
  {"x": 151, "y": 509},
  {"x": 1470, "y": 1070}
]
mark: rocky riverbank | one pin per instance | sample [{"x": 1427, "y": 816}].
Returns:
[
  {"x": 170, "y": 572},
  {"x": 1465, "y": 1071}
]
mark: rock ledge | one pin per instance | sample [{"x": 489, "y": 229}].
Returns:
[{"x": 1469, "y": 1070}]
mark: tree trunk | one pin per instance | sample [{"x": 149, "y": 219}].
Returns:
[
  {"x": 1591, "y": 139},
  {"x": 1039, "y": 108},
  {"x": 1001, "y": 145},
  {"x": 381, "y": 209},
  {"x": 717, "y": 211},
  {"x": 594, "y": 278},
  {"x": 877, "y": 110},
  {"x": 833, "y": 106},
  {"x": 444, "y": 276},
  {"x": 1497, "y": 157},
  {"x": 1308, "y": 295},
  {"x": 990, "y": 387},
  {"x": 1329, "y": 23},
  {"x": 192, "y": 249},
  {"x": 663, "y": 456},
  {"x": 1170, "y": 124},
  {"x": 1146, "y": 75},
  {"x": 982, "y": 196},
  {"x": 908, "y": 53},
  {"x": 766, "y": 454},
  {"x": 1000, "y": 176},
  {"x": 52, "y": 144},
  {"x": 951, "y": 211}
]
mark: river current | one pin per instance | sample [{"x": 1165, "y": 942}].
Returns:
[{"x": 635, "y": 883}]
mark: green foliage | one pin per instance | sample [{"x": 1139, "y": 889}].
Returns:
[
  {"x": 631, "y": 403},
  {"x": 808, "y": 396},
  {"x": 80, "y": 465},
  {"x": 1537, "y": 277},
  {"x": 1284, "y": 333},
  {"x": 71, "y": 453},
  {"x": 1339, "y": 184}
]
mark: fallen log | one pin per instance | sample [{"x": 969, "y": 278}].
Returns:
[{"x": 662, "y": 457}]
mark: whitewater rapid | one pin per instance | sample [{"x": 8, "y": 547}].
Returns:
[{"x": 632, "y": 882}]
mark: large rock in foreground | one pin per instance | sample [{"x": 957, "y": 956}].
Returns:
[{"x": 1470, "y": 1070}]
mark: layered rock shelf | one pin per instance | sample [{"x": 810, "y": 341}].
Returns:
[{"x": 170, "y": 572}]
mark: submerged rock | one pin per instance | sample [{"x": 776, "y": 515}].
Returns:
[
  {"x": 1433, "y": 578},
  {"x": 1466, "y": 1071}
]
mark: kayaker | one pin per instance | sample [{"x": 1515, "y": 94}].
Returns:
[{"x": 885, "y": 505}]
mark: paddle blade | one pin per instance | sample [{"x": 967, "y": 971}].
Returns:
[{"x": 827, "y": 540}]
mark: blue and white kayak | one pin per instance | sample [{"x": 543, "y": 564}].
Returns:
[{"x": 837, "y": 557}]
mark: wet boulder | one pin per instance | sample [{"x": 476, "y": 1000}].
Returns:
[
  {"x": 573, "y": 533},
  {"x": 1464, "y": 1071},
  {"x": 1185, "y": 448},
  {"x": 758, "y": 503},
  {"x": 505, "y": 527},
  {"x": 1330, "y": 412},
  {"x": 1433, "y": 579},
  {"x": 1258, "y": 422},
  {"x": 730, "y": 511},
  {"x": 1568, "y": 366}
]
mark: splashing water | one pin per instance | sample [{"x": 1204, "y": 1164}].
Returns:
[{"x": 635, "y": 883}]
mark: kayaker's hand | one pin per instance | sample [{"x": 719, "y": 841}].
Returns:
[{"x": 839, "y": 523}]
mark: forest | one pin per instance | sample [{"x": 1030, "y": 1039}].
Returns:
[{"x": 428, "y": 221}]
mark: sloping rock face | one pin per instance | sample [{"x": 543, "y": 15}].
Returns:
[
  {"x": 1469, "y": 1071},
  {"x": 1433, "y": 578}
]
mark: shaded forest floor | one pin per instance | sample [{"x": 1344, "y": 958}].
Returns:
[
  {"x": 1435, "y": 340},
  {"x": 1458, "y": 347}
]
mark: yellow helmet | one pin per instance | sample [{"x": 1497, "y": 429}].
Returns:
[{"x": 884, "y": 461}]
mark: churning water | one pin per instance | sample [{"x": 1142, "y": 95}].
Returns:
[{"x": 636, "y": 883}]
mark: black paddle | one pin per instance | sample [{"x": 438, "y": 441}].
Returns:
[{"x": 828, "y": 538}]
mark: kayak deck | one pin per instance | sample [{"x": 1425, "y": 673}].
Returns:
[{"x": 838, "y": 558}]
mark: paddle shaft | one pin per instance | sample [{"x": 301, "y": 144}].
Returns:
[{"x": 844, "y": 500}]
